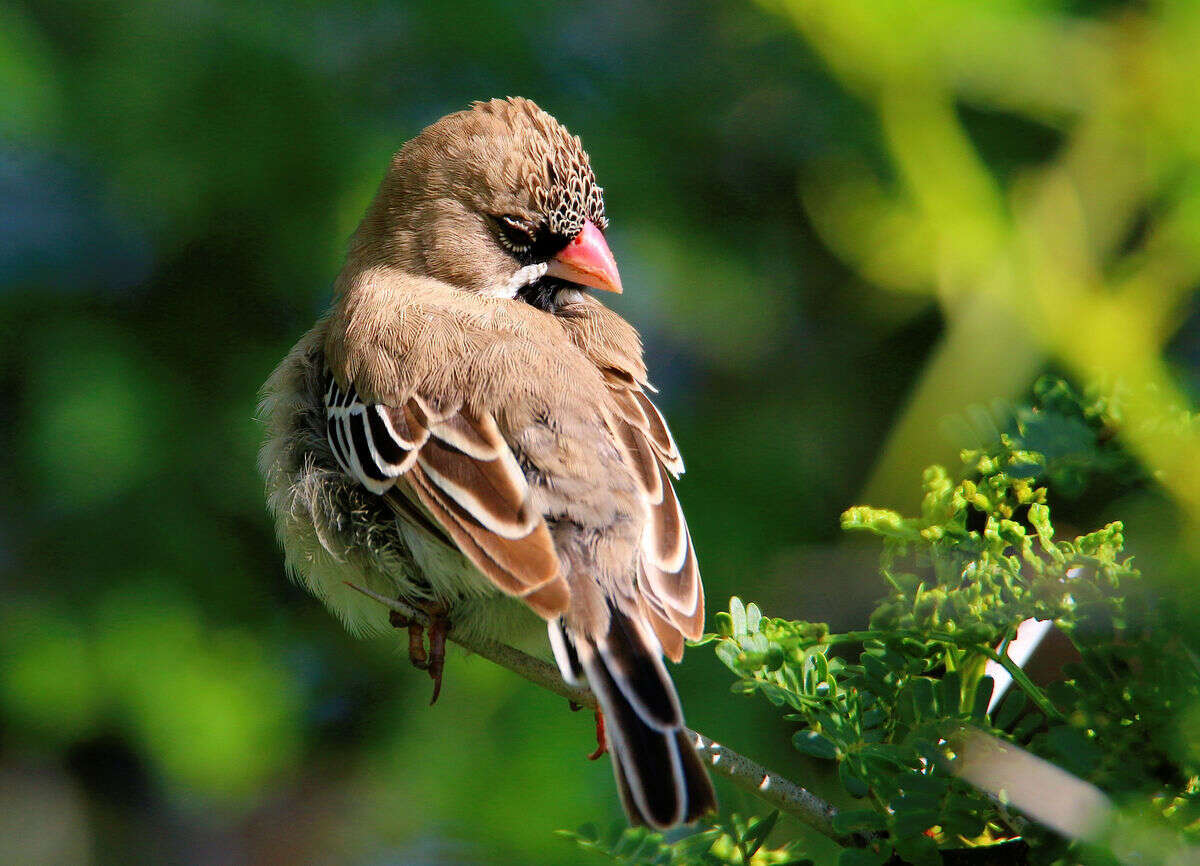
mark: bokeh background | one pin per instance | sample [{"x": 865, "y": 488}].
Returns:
[{"x": 848, "y": 231}]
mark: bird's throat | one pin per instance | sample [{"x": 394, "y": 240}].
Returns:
[{"x": 547, "y": 294}]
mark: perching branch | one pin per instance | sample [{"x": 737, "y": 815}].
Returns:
[{"x": 771, "y": 788}]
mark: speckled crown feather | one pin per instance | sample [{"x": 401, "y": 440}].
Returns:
[{"x": 555, "y": 165}]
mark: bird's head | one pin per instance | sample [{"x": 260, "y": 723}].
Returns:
[{"x": 499, "y": 199}]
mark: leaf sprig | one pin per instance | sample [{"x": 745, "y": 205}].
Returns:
[{"x": 888, "y": 704}]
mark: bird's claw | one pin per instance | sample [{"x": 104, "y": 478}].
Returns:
[
  {"x": 601, "y": 738},
  {"x": 438, "y": 627},
  {"x": 433, "y": 660}
]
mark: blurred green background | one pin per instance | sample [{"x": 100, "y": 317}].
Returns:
[{"x": 846, "y": 230}]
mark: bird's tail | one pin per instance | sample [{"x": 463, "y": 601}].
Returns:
[{"x": 661, "y": 778}]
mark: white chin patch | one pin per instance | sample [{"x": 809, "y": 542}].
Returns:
[{"x": 521, "y": 279}]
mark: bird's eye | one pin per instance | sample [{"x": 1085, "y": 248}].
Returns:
[{"x": 515, "y": 233}]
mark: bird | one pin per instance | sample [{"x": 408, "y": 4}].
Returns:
[{"x": 470, "y": 430}]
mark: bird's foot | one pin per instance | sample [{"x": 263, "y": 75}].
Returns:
[
  {"x": 601, "y": 739},
  {"x": 432, "y": 660}
]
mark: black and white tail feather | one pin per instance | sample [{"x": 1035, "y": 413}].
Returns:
[{"x": 659, "y": 774}]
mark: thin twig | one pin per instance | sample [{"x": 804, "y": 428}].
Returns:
[{"x": 773, "y": 789}]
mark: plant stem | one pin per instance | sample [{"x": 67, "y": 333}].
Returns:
[
  {"x": 1023, "y": 682},
  {"x": 773, "y": 789}
]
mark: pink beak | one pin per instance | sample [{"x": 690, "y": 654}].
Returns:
[{"x": 588, "y": 261}]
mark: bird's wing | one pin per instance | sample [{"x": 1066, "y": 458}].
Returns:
[
  {"x": 670, "y": 576},
  {"x": 459, "y": 468}
]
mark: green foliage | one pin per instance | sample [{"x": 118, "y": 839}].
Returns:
[
  {"x": 736, "y": 842},
  {"x": 226, "y": 740},
  {"x": 887, "y": 704}
]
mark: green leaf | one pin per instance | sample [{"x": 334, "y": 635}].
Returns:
[
  {"x": 1075, "y": 751},
  {"x": 930, "y": 784},
  {"x": 949, "y": 693},
  {"x": 917, "y": 801},
  {"x": 884, "y": 759},
  {"x": 850, "y": 773},
  {"x": 875, "y": 666},
  {"x": 737, "y": 613},
  {"x": 924, "y": 697},
  {"x": 758, "y": 831},
  {"x": 753, "y": 618},
  {"x": 622, "y": 843},
  {"x": 965, "y": 824},
  {"x": 820, "y": 666},
  {"x": 728, "y": 652},
  {"x": 813, "y": 743},
  {"x": 919, "y": 850},
  {"x": 1010, "y": 708},
  {"x": 983, "y": 696},
  {"x": 697, "y": 844},
  {"x": 1027, "y": 726},
  {"x": 859, "y": 821}
]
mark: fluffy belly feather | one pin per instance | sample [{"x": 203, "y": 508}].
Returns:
[{"x": 335, "y": 532}]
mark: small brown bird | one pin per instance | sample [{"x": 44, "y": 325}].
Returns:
[{"x": 468, "y": 427}]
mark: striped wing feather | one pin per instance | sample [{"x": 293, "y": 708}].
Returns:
[
  {"x": 672, "y": 595},
  {"x": 463, "y": 473}
]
